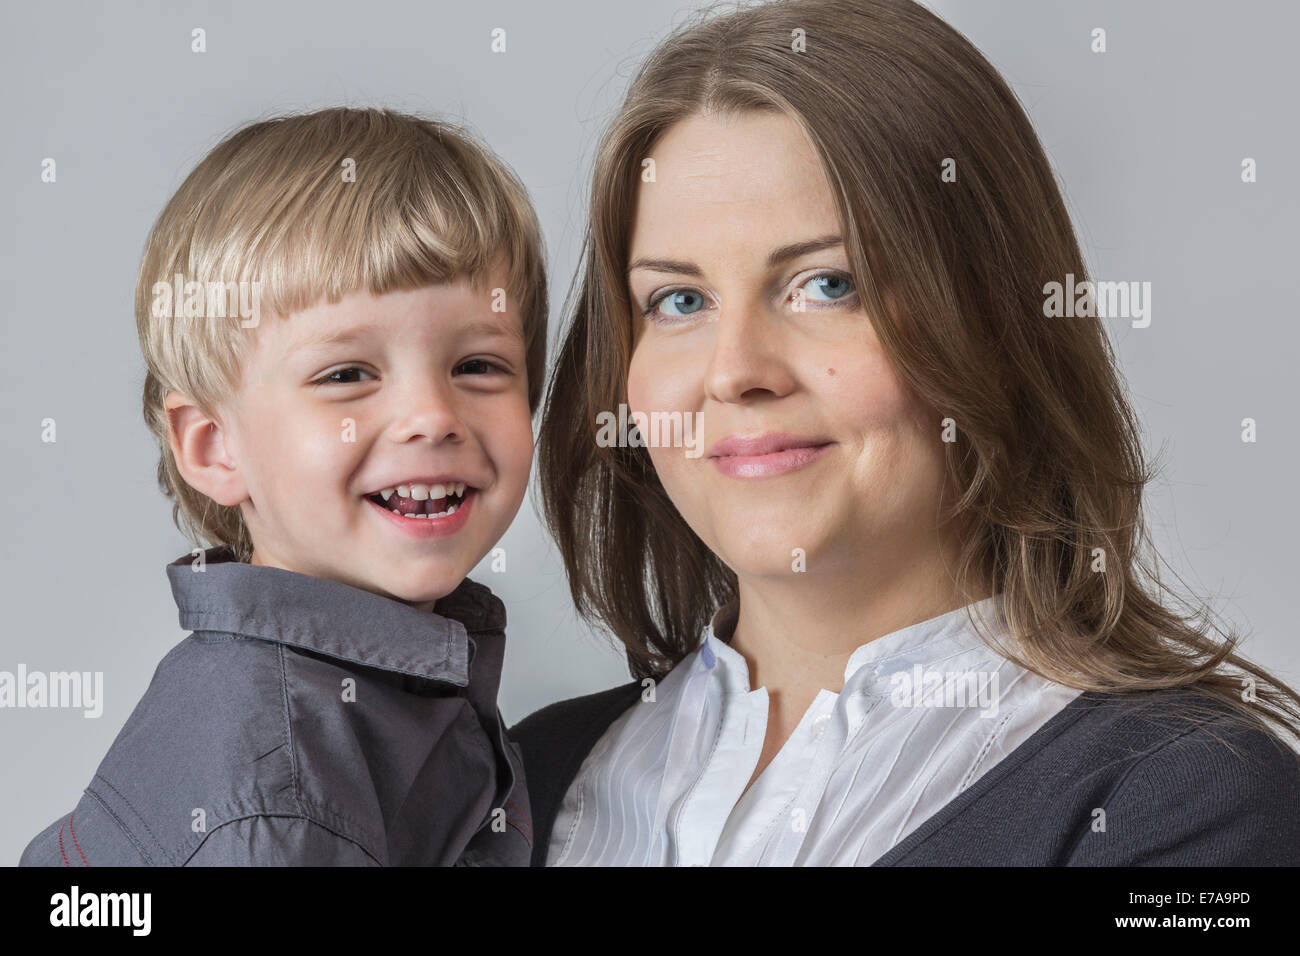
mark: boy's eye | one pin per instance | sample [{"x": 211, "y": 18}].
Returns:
[
  {"x": 332, "y": 377},
  {"x": 477, "y": 367},
  {"x": 348, "y": 376}
]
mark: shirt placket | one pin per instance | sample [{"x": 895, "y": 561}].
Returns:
[
  {"x": 701, "y": 792},
  {"x": 841, "y": 725},
  {"x": 825, "y": 737}
]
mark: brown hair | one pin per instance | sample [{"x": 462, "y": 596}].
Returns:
[
  {"x": 271, "y": 204},
  {"x": 1048, "y": 462}
]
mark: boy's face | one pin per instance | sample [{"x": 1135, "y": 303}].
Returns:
[{"x": 421, "y": 387}]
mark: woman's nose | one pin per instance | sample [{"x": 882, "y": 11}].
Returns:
[{"x": 750, "y": 355}]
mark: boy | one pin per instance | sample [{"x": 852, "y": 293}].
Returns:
[{"x": 343, "y": 318}]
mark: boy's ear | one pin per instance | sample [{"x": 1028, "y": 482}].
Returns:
[{"x": 198, "y": 443}]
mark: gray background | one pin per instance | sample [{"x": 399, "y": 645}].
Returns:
[{"x": 1147, "y": 140}]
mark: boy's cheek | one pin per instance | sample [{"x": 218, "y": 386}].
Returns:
[
  {"x": 507, "y": 432},
  {"x": 521, "y": 444},
  {"x": 511, "y": 451}
]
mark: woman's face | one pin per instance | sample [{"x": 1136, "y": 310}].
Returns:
[{"x": 767, "y": 346}]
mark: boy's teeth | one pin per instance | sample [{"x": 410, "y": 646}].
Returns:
[
  {"x": 424, "y": 492},
  {"x": 441, "y": 514}
]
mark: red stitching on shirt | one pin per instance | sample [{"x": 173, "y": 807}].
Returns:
[
  {"x": 524, "y": 817},
  {"x": 73, "y": 831},
  {"x": 65, "y": 856},
  {"x": 526, "y": 836}
]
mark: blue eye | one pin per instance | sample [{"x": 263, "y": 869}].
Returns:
[
  {"x": 687, "y": 300},
  {"x": 681, "y": 303},
  {"x": 833, "y": 285}
]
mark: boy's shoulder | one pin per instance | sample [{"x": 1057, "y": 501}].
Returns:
[
  {"x": 205, "y": 756},
  {"x": 304, "y": 717},
  {"x": 94, "y": 835}
]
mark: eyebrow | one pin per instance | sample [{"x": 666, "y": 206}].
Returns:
[
  {"x": 334, "y": 338},
  {"x": 494, "y": 330},
  {"x": 477, "y": 327},
  {"x": 776, "y": 258}
]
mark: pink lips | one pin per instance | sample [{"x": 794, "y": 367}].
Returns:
[
  {"x": 425, "y": 528},
  {"x": 766, "y": 454}
]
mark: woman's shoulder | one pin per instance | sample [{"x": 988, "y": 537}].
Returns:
[
  {"x": 1190, "y": 779},
  {"x": 1181, "y": 720},
  {"x": 1170, "y": 777}
]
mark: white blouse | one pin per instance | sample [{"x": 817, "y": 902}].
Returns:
[{"x": 924, "y": 712}]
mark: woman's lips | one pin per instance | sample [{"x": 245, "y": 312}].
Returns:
[{"x": 774, "y": 463}]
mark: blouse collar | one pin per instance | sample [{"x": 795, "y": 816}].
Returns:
[{"x": 924, "y": 643}]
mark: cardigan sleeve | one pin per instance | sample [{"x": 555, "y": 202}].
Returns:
[{"x": 1219, "y": 794}]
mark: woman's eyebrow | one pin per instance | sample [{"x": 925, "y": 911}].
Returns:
[
  {"x": 797, "y": 249},
  {"x": 776, "y": 258}
]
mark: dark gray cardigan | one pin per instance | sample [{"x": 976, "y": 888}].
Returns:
[{"x": 1176, "y": 792}]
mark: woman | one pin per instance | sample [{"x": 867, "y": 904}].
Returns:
[{"x": 898, "y": 610}]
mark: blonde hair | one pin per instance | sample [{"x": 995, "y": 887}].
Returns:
[
  {"x": 272, "y": 204},
  {"x": 1049, "y": 464}
]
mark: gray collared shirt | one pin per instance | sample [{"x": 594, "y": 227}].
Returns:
[{"x": 308, "y": 722}]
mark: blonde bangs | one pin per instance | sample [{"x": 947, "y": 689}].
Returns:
[
  {"x": 308, "y": 208},
  {"x": 413, "y": 217}
]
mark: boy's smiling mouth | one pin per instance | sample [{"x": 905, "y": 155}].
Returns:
[
  {"x": 423, "y": 499},
  {"x": 443, "y": 511}
]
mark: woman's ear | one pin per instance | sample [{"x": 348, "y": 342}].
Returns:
[{"x": 198, "y": 443}]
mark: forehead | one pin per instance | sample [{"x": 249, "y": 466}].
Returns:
[
  {"x": 433, "y": 311},
  {"x": 732, "y": 174}
]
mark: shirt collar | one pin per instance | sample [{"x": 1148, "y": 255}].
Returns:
[
  {"x": 924, "y": 642},
  {"x": 716, "y": 647},
  {"x": 332, "y": 618}
]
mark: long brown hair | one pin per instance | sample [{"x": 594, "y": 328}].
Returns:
[{"x": 1048, "y": 459}]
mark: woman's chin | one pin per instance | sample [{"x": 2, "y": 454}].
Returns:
[
  {"x": 776, "y": 557},
  {"x": 770, "y": 536}
]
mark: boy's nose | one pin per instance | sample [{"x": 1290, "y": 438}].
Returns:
[{"x": 427, "y": 411}]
